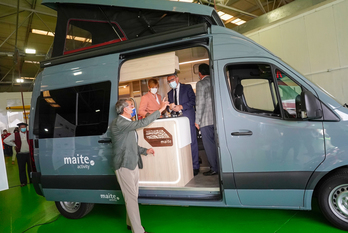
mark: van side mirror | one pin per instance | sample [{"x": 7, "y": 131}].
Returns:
[{"x": 310, "y": 106}]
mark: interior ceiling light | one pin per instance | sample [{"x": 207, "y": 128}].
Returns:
[
  {"x": 238, "y": 21},
  {"x": 188, "y": 62},
  {"x": 30, "y": 51},
  {"x": 19, "y": 80},
  {"x": 32, "y": 62},
  {"x": 220, "y": 13},
  {"x": 41, "y": 32},
  {"x": 69, "y": 37},
  {"x": 226, "y": 17}
]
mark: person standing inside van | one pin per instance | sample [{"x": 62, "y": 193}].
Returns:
[
  {"x": 204, "y": 117},
  {"x": 127, "y": 160},
  {"x": 23, "y": 148},
  {"x": 150, "y": 102},
  {"x": 182, "y": 99}
]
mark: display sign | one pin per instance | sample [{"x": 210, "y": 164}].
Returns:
[
  {"x": 158, "y": 137},
  {"x": 3, "y": 174}
]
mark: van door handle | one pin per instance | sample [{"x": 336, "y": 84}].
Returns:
[
  {"x": 105, "y": 140},
  {"x": 246, "y": 133}
]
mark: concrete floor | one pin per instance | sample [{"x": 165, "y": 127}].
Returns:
[{"x": 22, "y": 208}]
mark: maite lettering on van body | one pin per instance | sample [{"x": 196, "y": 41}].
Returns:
[
  {"x": 82, "y": 162},
  {"x": 111, "y": 197}
]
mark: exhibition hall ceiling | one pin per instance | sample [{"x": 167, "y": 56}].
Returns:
[{"x": 33, "y": 18}]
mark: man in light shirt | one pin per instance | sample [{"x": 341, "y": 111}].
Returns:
[{"x": 23, "y": 147}]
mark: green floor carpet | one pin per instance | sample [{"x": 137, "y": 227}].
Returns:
[{"x": 22, "y": 208}]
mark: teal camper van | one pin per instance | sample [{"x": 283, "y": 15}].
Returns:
[{"x": 281, "y": 140}]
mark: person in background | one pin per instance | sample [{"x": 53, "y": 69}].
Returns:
[
  {"x": 150, "y": 102},
  {"x": 205, "y": 119},
  {"x": 127, "y": 156},
  {"x": 14, "y": 153},
  {"x": 7, "y": 148},
  {"x": 23, "y": 148},
  {"x": 182, "y": 99}
]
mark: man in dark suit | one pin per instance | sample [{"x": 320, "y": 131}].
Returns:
[
  {"x": 182, "y": 99},
  {"x": 127, "y": 160}
]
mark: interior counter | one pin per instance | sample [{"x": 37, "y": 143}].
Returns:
[{"x": 171, "y": 165}]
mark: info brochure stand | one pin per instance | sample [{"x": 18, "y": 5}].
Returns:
[{"x": 3, "y": 174}]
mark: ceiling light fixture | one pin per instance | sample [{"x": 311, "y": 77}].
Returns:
[
  {"x": 32, "y": 62},
  {"x": 238, "y": 21},
  {"x": 226, "y": 17},
  {"x": 19, "y": 80},
  {"x": 188, "y": 62},
  {"x": 30, "y": 51}
]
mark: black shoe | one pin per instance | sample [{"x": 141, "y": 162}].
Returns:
[
  {"x": 195, "y": 172},
  {"x": 210, "y": 173}
]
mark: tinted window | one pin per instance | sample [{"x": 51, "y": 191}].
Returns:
[{"x": 75, "y": 111}]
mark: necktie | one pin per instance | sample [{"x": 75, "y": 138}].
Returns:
[{"x": 175, "y": 97}]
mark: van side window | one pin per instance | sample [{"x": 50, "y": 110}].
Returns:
[
  {"x": 253, "y": 89},
  {"x": 86, "y": 34},
  {"x": 290, "y": 95},
  {"x": 74, "y": 111}
]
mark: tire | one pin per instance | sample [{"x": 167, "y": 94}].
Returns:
[
  {"x": 74, "y": 210},
  {"x": 333, "y": 199}
]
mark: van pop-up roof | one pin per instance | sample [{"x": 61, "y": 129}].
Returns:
[{"x": 87, "y": 24}]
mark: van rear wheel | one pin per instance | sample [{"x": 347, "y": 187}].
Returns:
[
  {"x": 333, "y": 199},
  {"x": 74, "y": 210}
]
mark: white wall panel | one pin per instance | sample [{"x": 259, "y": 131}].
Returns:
[
  {"x": 340, "y": 12},
  {"x": 315, "y": 43},
  {"x": 322, "y": 42},
  {"x": 295, "y": 45},
  {"x": 272, "y": 40}
]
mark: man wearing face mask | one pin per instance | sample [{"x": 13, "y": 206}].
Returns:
[
  {"x": 150, "y": 102},
  {"x": 182, "y": 100},
  {"x": 23, "y": 148},
  {"x": 127, "y": 160}
]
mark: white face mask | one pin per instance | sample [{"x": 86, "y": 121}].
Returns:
[{"x": 153, "y": 90}]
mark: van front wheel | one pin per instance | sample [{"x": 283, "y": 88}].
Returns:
[
  {"x": 74, "y": 210},
  {"x": 333, "y": 199}
]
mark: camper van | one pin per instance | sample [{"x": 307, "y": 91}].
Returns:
[{"x": 281, "y": 140}]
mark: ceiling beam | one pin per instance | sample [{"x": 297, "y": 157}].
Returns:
[{"x": 28, "y": 9}]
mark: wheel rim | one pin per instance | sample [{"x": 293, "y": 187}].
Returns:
[
  {"x": 338, "y": 201},
  {"x": 70, "y": 207}
]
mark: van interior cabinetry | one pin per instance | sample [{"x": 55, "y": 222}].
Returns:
[{"x": 171, "y": 166}]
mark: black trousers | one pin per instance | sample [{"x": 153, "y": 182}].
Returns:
[
  {"x": 23, "y": 160},
  {"x": 8, "y": 150}
]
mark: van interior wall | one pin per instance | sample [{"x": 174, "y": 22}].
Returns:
[
  {"x": 9, "y": 99},
  {"x": 314, "y": 43}
]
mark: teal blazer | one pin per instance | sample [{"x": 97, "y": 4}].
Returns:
[{"x": 125, "y": 147}]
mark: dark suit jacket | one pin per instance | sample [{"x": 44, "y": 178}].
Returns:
[
  {"x": 124, "y": 142},
  {"x": 187, "y": 99}
]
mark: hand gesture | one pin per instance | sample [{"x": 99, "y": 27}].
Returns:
[
  {"x": 164, "y": 104},
  {"x": 150, "y": 151}
]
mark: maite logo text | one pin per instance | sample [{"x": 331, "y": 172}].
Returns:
[
  {"x": 82, "y": 162},
  {"x": 109, "y": 196}
]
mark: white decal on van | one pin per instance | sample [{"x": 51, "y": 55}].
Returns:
[
  {"x": 109, "y": 196},
  {"x": 82, "y": 162}
]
